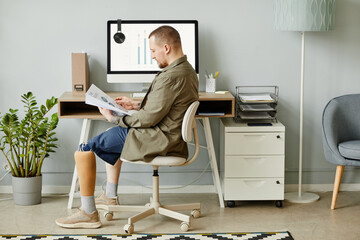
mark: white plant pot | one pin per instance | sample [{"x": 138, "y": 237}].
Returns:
[{"x": 27, "y": 190}]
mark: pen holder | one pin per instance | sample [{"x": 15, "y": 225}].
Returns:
[{"x": 210, "y": 85}]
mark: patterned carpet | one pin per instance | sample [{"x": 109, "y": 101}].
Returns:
[{"x": 195, "y": 236}]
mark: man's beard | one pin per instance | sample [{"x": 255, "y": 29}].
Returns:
[{"x": 162, "y": 65}]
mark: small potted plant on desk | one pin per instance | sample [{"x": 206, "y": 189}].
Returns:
[{"x": 25, "y": 144}]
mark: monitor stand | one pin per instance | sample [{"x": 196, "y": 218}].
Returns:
[{"x": 145, "y": 87}]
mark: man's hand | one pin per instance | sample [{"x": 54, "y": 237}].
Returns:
[
  {"x": 107, "y": 114},
  {"x": 128, "y": 103}
]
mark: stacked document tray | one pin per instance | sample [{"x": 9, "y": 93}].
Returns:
[{"x": 256, "y": 103}]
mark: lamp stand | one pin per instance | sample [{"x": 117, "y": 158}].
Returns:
[{"x": 301, "y": 197}]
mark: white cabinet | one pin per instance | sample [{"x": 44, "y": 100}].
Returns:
[{"x": 252, "y": 161}]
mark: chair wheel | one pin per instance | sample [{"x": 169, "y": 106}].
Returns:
[
  {"x": 195, "y": 213},
  {"x": 129, "y": 228},
  {"x": 108, "y": 216},
  {"x": 184, "y": 226}
]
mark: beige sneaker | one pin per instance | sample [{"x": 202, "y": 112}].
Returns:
[
  {"x": 80, "y": 219},
  {"x": 102, "y": 200}
]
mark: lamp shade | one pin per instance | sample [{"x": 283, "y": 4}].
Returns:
[{"x": 304, "y": 15}]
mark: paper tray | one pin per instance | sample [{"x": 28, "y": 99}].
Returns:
[
  {"x": 256, "y": 115},
  {"x": 256, "y": 107}
]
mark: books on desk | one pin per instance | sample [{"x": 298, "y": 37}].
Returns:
[
  {"x": 211, "y": 113},
  {"x": 95, "y": 97}
]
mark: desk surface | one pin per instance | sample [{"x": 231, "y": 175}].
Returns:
[{"x": 73, "y": 106}]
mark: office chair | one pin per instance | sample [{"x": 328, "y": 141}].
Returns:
[
  {"x": 341, "y": 135},
  {"x": 155, "y": 207}
]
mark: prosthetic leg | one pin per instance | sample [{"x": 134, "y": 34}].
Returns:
[{"x": 86, "y": 169}]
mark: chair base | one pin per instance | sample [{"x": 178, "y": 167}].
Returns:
[{"x": 154, "y": 207}]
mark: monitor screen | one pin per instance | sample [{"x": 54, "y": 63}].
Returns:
[{"x": 131, "y": 61}]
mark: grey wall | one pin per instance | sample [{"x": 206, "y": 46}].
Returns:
[{"x": 237, "y": 37}]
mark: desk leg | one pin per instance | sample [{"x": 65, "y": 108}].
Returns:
[
  {"x": 84, "y": 136},
  {"x": 212, "y": 158}
]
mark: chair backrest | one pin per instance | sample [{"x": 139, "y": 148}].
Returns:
[
  {"x": 341, "y": 117},
  {"x": 187, "y": 124},
  {"x": 340, "y": 123}
]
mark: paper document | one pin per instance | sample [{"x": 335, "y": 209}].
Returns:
[
  {"x": 256, "y": 98},
  {"x": 258, "y": 107},
  {"x": 95, "y": 97}
]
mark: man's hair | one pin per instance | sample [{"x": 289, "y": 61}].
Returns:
[{"x": 166, "y": 35}]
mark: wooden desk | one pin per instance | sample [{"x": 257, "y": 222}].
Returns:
[{"x": 73, "y": 106}]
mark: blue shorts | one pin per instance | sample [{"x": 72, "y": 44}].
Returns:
[{"x": 109, "y": 144}]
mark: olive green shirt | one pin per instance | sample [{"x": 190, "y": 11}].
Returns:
[{"x": 156, "y": 128}]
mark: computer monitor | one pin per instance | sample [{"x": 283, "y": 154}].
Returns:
[{"x": 131, "y": 61}]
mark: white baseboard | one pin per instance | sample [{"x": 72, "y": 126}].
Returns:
[
  {"x": 322, "y": 187},
  {"x": 125, "y": 189},
  {"x": 192, "y": 188}
]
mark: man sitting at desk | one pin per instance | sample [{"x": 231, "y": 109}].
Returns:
[{"x": 154, "y": 130}]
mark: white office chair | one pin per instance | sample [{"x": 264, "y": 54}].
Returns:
[{"x": 155, "y": 207}]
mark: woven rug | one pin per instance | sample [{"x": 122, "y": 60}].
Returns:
[{"x": 187, "y": 236}]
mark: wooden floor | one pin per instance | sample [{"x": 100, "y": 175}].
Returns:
[{"x": 303, "y": 221}]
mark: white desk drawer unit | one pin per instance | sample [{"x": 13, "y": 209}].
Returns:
[{"x": 252, "y": 162}]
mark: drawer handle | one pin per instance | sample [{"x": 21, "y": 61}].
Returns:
[
  {"x": 255, "y": 137},
  {"x": 278, "y": 136},
  {"x": 255, "y": 160},
  {"x": 277, "y": 182},
  {"x": 254, "y": 183}
]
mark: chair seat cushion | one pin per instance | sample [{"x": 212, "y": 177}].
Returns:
[
  {"x": 161, "y": 161},
  {"x": 350, "y": 149}
]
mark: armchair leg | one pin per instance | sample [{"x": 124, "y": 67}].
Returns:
[{"x": 338, "y": 176}]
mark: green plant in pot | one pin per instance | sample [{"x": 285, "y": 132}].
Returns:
[{"x": 25, "y": 144}]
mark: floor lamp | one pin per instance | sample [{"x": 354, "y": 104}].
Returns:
[{"x": 303, "y": 16}]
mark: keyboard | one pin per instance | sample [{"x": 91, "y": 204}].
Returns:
[{"x": 138, "y": 94}]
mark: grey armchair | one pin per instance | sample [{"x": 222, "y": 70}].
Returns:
[{"x": 341, "y": 135}]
